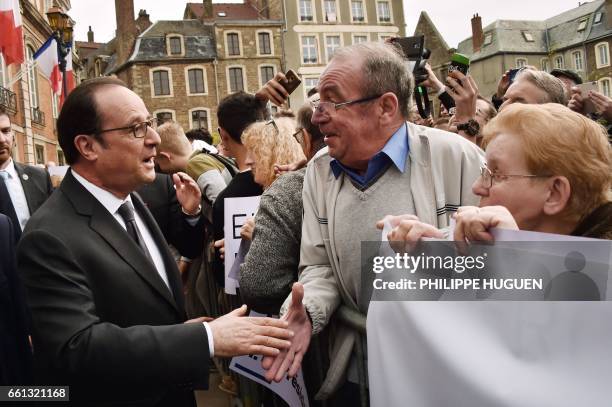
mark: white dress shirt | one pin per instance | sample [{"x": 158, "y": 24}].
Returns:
[
  {"x": 15, "y": 190},
  {"x": 111, "y": 203}
]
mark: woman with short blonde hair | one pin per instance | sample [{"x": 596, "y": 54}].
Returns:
[{"x": 270, "y": 143}]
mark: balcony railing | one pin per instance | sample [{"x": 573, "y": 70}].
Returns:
[
  {"x": 8, "y": 100},
  {"x": 38, "y": 116}
]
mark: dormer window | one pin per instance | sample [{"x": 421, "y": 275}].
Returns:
[
  {"x": 597, "y": 18},
  {"x": 528, "y": 37},
  {"x": 582, "y": 25},
  {"x": 174, "y": 44},
  {"x": 488, "y": 39}
]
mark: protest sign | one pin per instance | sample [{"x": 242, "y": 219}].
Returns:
[{"x": 237, "y": 211}]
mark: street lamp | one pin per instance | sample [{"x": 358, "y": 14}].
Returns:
[{"x": 62, "y": 26}]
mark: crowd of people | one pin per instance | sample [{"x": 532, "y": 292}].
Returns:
[{"x": 115, "y": 278}]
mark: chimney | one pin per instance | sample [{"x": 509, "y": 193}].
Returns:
[
  {"x": 208, "y": 10},
  {"x": 608, "y": 11},
  {"x": 126, "y": 29},
  {"x": 143, "y": 22},
  {"x": 477, "y": 34},
  {"x": 90, "y": 35}
]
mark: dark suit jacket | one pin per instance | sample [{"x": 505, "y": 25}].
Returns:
[
  {"x": 160, "y": 198},
  {"x": 103, "y": 321},
  {"x": 36, "y": 185},
  {"x": 15, "y": 352}
]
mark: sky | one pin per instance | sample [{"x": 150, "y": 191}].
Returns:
[{"x": 452, "y": 18}]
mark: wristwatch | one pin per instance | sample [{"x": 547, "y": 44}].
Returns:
[
  {"x": 192, "y": 215},
  {"x": 471, "y": 127}
]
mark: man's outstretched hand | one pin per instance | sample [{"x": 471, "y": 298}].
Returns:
[
  {"x": 290, "y": 360},
  {"x": 235, "y": 334}
]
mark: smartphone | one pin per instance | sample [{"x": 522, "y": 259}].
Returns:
[
  {"x": 587, "y": 104},
  {"x": 292, "y": 81},
  {"x": 459, "y": 62}
]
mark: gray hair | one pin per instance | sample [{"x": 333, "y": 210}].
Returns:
[
  {"x": 384, "y": 70},
  {"x": 543, "y": 80}
]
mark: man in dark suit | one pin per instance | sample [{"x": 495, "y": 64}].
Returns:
[
  {"x": 23, "y": 188},
  {"x": 15, "y": 352},
  {"x": 103, "y": 289}
]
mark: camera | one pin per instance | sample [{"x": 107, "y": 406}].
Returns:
[{"x": 417, "y": 55}]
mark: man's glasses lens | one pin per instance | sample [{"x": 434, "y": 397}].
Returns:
[{"x": 140, "y": 130}]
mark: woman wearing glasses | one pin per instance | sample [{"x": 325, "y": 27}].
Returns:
[{"x": 548, "y": 170}]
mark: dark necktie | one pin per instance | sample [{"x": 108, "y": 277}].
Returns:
[
  {"x": 6, "y": 206},
  {"x": 126, "y": 211}
]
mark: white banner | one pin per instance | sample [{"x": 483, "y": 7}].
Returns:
[{"x": 492, "y": 353}]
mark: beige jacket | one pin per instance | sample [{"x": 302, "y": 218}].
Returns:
[{"x": 443, "y": 167}]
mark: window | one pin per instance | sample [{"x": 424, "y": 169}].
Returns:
[
  {"x": 597, "y": 18},
  {"x": 3, "y": 80},
  {"x": 309, "y": 50},
  {"x": 236, "y": 81},
  {"x": 384, "y": 11},
  {"x": 577, "y": 58},
  {"x": 582, "y": 25},
  {"x": 559, "y": 62},
  {"x": 604, "y": 86},
  {"x": 54, "y": 104},
  {"x": 357, "y": 10},
  {"x": 306, "y": 10},
  {"x": 196, "y": 80},
  {"x": 521, "y": 62},
  {"x": 488, "y": 39},
  {"x": 310, "y": 83},
  {"x": 264, "y": 43},
  {"x": 357, "y": 39},
  {"x": 32, "y": 78},
  {"x": 163, "y": 117},
  {"x": 266, "y": 73},
  {"x": 61, "y": 158},
  {"x": 161, "y": 83},
  {"x": 329, "y": 8},
  {"x": 233, "y": 44},
  {"x": 544, "y": 65},
  {"x": 602, "y": 55},
  {"x": 528, "y": 37},
  {"x": 331, "y": 44},
  {"x": 175, "y": 45},
  {"x": 199, "y": 119},
  {"x": 39, "y": 150}
]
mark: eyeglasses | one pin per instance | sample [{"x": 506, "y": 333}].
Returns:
[
  {"x": 487, "y": 176},
  {"x": 139, "y": 129},
  {"x": 299, "y": 136},
  {"x": 331, "y": 107},
  {"x": 273, "y": 123}
]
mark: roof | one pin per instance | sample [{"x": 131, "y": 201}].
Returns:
[
  {"x": 227, "y": 11},
  {"x": 599, "y": 30},
  {"x": 556, "y": 33},
  {"x": 89, "y": 45},
  {"x": 198, "y": 40}
]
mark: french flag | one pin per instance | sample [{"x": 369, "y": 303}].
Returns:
[
  {"x": 48, "y": 63},
  {"x": 11, "y": 32},
  {"x": 69, "y": 77}
]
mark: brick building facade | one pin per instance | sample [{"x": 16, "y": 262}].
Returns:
[{"x": 33, "y": 107}]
